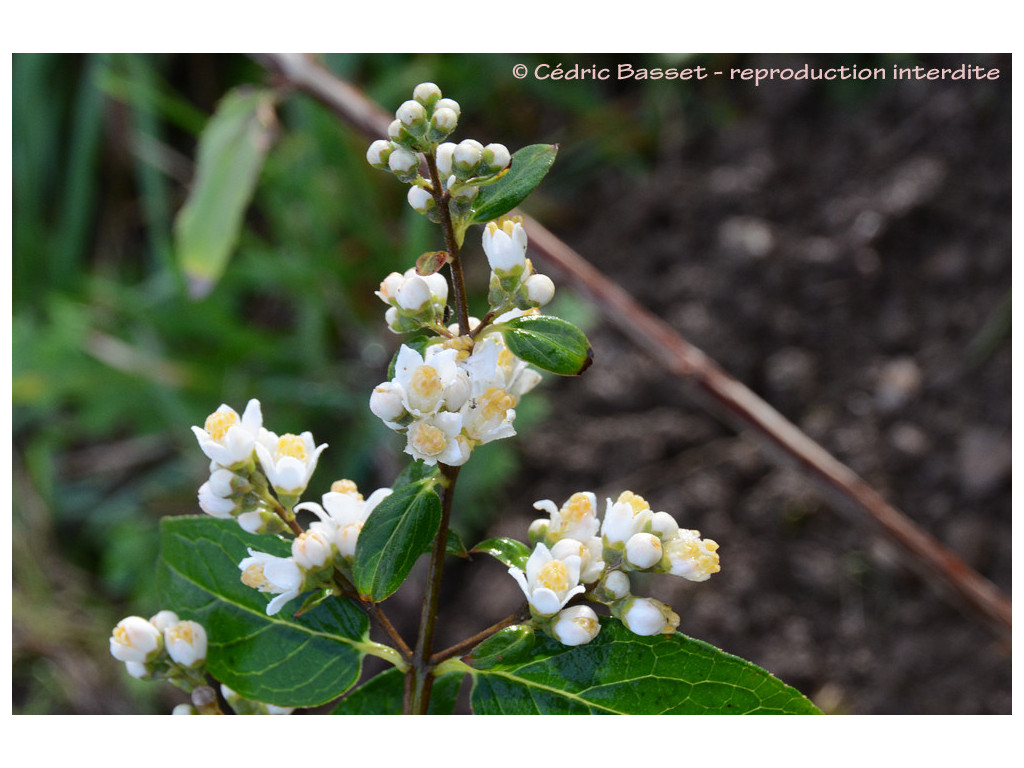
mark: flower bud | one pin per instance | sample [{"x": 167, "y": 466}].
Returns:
[
  {"x": 467, "y": 157},
  {"x": 646, "y": 616},
  {"x": 504, "y": 242},
  {"x": 386, "y": 402},
  {"x": 378, "y": 153},
  {"x": 442, "y": 123},
  {"x": 539, "y": 289},
  {"x": 643, "y": 550},
  {"x": 389, "y": 287},
  {"x": 445, "y": 159},
  {"x": 616, "y": 585},
  {"x": 403, "y": 163},
  {"x": 164, "y": 619},
  {"x": 186, "y": 643},
  {"x": 420, "y": 199},
  {"x": 664, "y": 526},
  {"x": 414, "y": 294},
  {"x": 496, "y": 157},
  {"x": 449, "y": 104},
  {"x": 312, "y": 549},
  {"x": 427, "y": 94},
  {"x": 135, "y": 639},
  {"x": 411, "y": 113},
  {"x": 576, "y": 625},
  {"x": 137, "y": 669},
  {"x": 184, "y": 709},
  {"x": 213, "y": 503}
]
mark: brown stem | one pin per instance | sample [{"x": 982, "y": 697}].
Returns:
[
  {"x": 419, "y": 679},
  {"x": 374, "y": 612},
  {"x": 470, "y": 642},
  {"x": 451, "y": 244}
]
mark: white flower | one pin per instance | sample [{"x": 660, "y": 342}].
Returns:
[
  {"x": 616, "y": 584},
  {"x": 467, "y": 155},
  {"x": 279, "y": 576},
  {"x": 227, "y": 440},
  {"x": 539, "y": 289},
  {"x": 646, "y": 616},
  {"x": 437, "y": 438},
  {"x": 289, "y": 460},
  {"x": 136, "y": 640},
  {"x": 691, "y": 557},
  {"x": 444, "y": 120},
  {"x": 643, "y": 550},
  {"x": 548, "y": 583},
  {"x": 186, "y": 643},
  {"x": 136, "y": 670},
  {"x": 389, "y": 287},
  {"x": 664, "y": 526},
  {"x": 504, "y": 242},
  {"x": 576, "y": 625},
  {"x": 577, "y": 518},
  {"x": 184, "y": 709},
  {"x": 449, "y": 104},
  {"x": 629, "y": 514},
  {"x": 589, "y": 552},
  {"x": 424, "y": 379},
  {"x": 345, "y": 513},
  {"x": 489, "y": 416}
]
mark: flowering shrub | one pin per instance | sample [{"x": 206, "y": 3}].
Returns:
[{"x": 282, "y": 613}]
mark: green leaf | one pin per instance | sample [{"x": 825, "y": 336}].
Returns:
[
  {"x": 529, "y": 166},
  {"x": 416, "y": 471},
  {"x": 431, "y": 262},
  {"x": 393, "y": 537},
  {"x": 508, "y": 551},
  {"x": 382, "y": 695},
  {"x": 274, "y": 659},
  {"x": 232, "y": 148},
  {"x": 549, "y": 343},
  {"x": 506, "y": 646},
  {"x": 621, "y": 673},
  {"x": 454, "y": 546}
]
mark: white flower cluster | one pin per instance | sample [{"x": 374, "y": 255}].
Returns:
[
  {"x": 164, "y": 647},
  {"x": 453, "y": 396},
  {"x": 328, "y": 544},
  {"x": 420, "y": 127},
  {"x": 576, "y": 553},
  {"x": 246, "y": 462}
]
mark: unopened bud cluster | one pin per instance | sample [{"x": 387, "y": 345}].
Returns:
[
  {"x": 575, "y": 553},
  {"x": 161, "y": 648},
  {"x": 420, "y": 127}
]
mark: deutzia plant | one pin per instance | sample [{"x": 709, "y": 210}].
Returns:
[{"x": 279, "y": 616}]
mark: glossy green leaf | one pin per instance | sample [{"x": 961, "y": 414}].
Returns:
[
  {"x": 232, "y": 148},
  {"x": 529, "y": 166},
  {"x": 455, "y": 547},
  {"x": 393, "y": 537},
  {"x": 382, "y": 695},
  {"x": 622, "y": 673},
  {"x": 415, "y": 471},
  {"x": 508, "y": 551},
  {"x": 274, "y": 659},
  {"x": 549, "y": 343},
  {"x": 507, "y": 646}
]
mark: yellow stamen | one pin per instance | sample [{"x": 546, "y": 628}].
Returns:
[
  {"x": 219, "y": 422},
  {"x": 426, "y": 383},
  {"x": 348, "y": 487},
  {"x": 577, "y": 507},
  {"x": 253, "y": 577},
  {"x": 554, "y": 575},
  {"x": 291, "y": 445},
  {"x": 638, "y": 503},
  {"x": 181, "y": 631},
  {"x": 428, "y": 439},
  {"x": 494, "y": 403}
]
